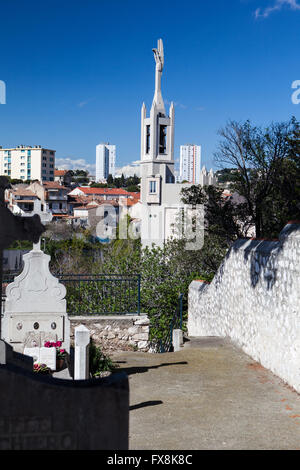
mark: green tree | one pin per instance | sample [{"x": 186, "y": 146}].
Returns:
[
  {"x": 110, "y": 180},
  {"x": 223, "y": 218}
]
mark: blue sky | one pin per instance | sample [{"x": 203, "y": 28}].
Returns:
[{"x": 77, "y": 72}]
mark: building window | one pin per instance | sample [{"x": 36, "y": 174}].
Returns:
[
  {"x": 152, "y": 188},
  {"x": 147, "y": 139},
  {"x": 162, "y": 139}
]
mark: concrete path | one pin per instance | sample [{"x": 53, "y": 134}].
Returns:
[{"x": 210, "y": 395}]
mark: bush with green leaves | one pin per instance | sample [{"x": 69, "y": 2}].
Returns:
[
  {"x": 98, "y": 361},
  {"x": 165, "y": 273}
]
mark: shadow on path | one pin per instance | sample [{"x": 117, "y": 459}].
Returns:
[
  {"x": 145, "y": 404},
  {"x": 140, "y": 370}
]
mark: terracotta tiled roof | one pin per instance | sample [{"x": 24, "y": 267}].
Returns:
[
  {"x": 135, "y": 195},
  {"x": 23, "y": 192},
  {"x": 87, "y": 207},
  {"x": 105, "y": 191},
  {"x": 130, "y": 202},
  {"x": 60, "y": 172},
  {"x": 53, "y": 185}
]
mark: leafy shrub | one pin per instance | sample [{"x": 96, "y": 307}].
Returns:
[{"x": 98, "y": 361}]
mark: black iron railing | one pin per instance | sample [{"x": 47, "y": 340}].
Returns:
[{"x": 101, "y": 294}]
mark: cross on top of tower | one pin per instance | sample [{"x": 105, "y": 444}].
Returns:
[{"x": 159, "y": 60}]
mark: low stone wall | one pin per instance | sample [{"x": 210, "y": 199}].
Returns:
[
  {"x": 255, "y": 300},
  {"x": 116, "y": 333},
  {"x": 45, "y": 413}
]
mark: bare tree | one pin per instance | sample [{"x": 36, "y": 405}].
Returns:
[{"x": 259, "y": 155}]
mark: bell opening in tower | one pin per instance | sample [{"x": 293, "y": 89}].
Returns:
[
  {"x": 147, "y": 139},
  {"x": 162, "y": 139}
]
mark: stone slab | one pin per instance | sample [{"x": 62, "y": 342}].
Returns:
[
  {"x": 43, "y": 356},
  {"x": 44, "y": 413}
]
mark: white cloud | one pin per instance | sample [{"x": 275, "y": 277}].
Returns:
[
  {"x": 81, "y": 164},
  {"x": 176, "y": 104},
  {"x": 278, "y": 5},
  {"x": 129, "y": 170},
  {"x": 82, "y": 103},
  {"x": 74, "y": 164}
]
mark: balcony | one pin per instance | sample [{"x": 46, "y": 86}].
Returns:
[{"x": 56, "y": 197}]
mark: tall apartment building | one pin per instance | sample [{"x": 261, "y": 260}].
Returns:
[
  {"x": 105, "y": 161},
  {"x": 190, "y": 163},
  {"x": 27, "y": 163}
]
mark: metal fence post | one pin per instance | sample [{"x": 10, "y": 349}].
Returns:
[
  {"x": 139, "y": 294},
  {"x": 180, "y": 309}
]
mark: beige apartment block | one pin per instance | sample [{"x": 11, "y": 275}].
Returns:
[{"x": 27, "y": 163}]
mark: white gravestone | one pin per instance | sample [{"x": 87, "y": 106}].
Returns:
[
  {"x": 81, "y": 362},
  {"x": 35, "y": 306}
]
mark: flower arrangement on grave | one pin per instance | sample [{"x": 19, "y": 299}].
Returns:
[
  {"x": 41, "y": 368},
  {"x": 60, "y": 353}
]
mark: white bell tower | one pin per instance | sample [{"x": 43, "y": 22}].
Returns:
[
  {"x": 162, "y": 209},
  {"x": 157, "y": 140},
  {"x": 160, "y": 195}
]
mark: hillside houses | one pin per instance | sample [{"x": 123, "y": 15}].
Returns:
[{"x": 74, "y": 206}]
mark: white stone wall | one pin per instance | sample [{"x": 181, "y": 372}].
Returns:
[{"x": 254, "y": 299}]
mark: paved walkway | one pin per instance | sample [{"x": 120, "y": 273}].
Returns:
[{"x": 210, "y": 395}]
